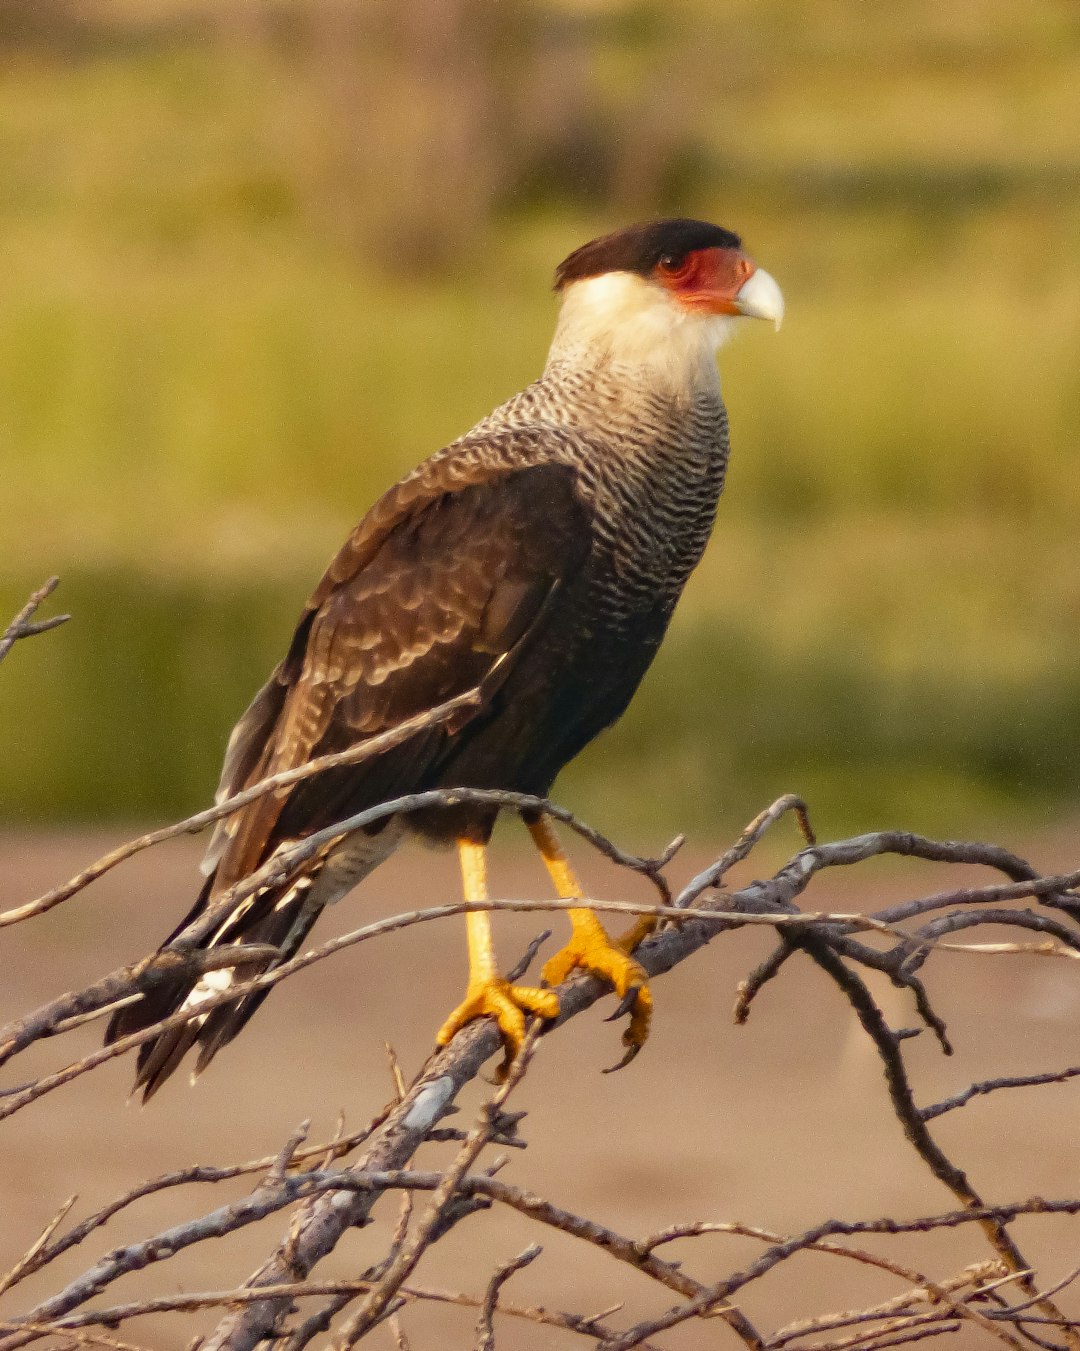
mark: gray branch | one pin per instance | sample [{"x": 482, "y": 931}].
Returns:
[{"x": 24, "y": 626}]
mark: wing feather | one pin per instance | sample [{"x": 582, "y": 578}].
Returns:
[
  {"x": 438, "y": 592},
  {"x": 422, "y": 604}
]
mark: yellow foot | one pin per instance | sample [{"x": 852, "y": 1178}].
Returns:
[
  {"x": 592, "y": 950},
  {"x": 637, "y": 933},
  {"x": 507, "y": 1004}
]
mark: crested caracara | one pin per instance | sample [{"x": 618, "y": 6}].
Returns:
[{"x": 536, "y": 561}]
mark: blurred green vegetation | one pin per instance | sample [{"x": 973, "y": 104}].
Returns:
[{"x": 259, "y": 260}]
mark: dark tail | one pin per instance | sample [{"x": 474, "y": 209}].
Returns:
[{"x": 281, "y": 916}]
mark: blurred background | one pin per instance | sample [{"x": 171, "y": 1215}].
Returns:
[{"x": 259, "y": 259}]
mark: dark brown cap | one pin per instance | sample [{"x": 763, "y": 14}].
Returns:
[{"x": 640, "y": 248}]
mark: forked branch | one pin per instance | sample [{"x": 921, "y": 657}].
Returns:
[
  {"x": 24, "y": 625},
  {"x": 324, "y": 1191}
]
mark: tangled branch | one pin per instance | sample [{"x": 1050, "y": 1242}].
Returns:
[{"x": 323, "y": 1190}]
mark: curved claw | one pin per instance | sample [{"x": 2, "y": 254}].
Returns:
[
  {"x": 625, "y": 1004},
  {"x": 637, "y": 1032},
  {"x": 630, "y": 1054},
  {"x": 592, "y": 950}
]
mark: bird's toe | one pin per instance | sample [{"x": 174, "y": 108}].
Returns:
[
  {"x": 601, "y": 957},
  {"x": 507, "y": 1004}
]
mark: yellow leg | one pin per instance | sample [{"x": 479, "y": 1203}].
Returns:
[
  {"x": 591, "y": 947},
  {"x": 487, "y": 993}
]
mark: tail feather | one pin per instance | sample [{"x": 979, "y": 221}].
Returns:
[
  {"x": 281, "y": 916},
  {"x": 223, "y": 1023},
  {"x": 158, "y": 1058}
]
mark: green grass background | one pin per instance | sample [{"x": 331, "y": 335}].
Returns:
[{"x": 209, "y": 369}]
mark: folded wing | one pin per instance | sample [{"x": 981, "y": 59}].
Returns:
[{"x": 440, "y": 591}]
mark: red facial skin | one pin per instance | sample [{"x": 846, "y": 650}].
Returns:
[{"x": 708, "y": 279}]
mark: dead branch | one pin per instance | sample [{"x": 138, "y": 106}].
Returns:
[
  {"x": 409, "y": 1252},
  {"x": 192, "y": 825},
  {"x": 24, "y": 626},
  {"x": 985, "y": 1086},
  {"x": 485, "y": 1328},
  {"x": 975, "y": 1278},
  {"x": 326, "y": 1196},
  {"x": 72, "y": 1010},
  {"x": 615, "y": 1245}
]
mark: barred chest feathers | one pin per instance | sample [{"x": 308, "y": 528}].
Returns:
[{"x": 649, "y": 459}]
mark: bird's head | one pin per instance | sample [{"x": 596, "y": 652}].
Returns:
[{"x": 664, "y": 294}]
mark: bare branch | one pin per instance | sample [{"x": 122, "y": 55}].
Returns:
[
  {"x": 114, "y": 988},
  {"x": 914, "y": 1126},
  {"x": 974, "y": 1276},
  {"x": 325, "y": 1202},
  {"x": 409, "y": 1254},
  {"x": 485, "y": 1330},
  {"x": 992, "y": 1085},
  {"x": 76, "y": 1338},
  {"x": 192, "y": 825},
  {"x": 29, "y": 1260},
  {"x": 714, "y": 875},
  {"x": 22, "y": 626},
  {"x": 637, "y": 1254}
]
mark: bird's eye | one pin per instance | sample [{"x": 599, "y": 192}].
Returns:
[{"x": 673, "y": 268}]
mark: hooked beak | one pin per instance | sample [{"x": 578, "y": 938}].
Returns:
[
  {"x": 724, "y": 281},
  {"x": 759, "y": 297}
]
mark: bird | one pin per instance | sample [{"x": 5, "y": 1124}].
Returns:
[{"x": 535, "y": 562}]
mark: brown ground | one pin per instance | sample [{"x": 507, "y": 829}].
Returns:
[{"x": 781, "y": 1123}]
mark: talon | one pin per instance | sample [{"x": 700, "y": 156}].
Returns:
[
  {"x": 637, "y": 1033},
  {"x": 507, "y": 1004},
  {"x": 631, "y": 1053},
  {"x": 625, "y": 1004},
  {"x": 590, "y": 949}
]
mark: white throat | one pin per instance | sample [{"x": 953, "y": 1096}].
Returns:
[{"x": 621, "y": 320}]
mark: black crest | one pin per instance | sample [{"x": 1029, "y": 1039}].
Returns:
[{"x": 640, "y": 247}]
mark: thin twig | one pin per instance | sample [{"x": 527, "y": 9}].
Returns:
[
  {"x": 398, "y": 1332},
  {"x": 713, "y": 875},
  {"x": 485, "y": 1329},
  {"x": 369, "y": 1183},
  {"x": 992, "y": 1085},
  {"x": 344, "y": 1291},
  {"x": 192, "y": 825},
  {"x": 973, "y": 1276},
  {"x": 183, "y": 1177},
  {"x": 409, "y": 1253},
  {"x": 903, "y": 1101},
  {"x": 21, "y": 626},
  {"x": 108, "y": 992},
  {"x": 334, "y": 1201},
  {"x": 27, "y": 1262},
  {"x": 74, "y": 1338}
]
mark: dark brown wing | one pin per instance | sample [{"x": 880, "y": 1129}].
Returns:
[
  {"x": 435, "y": 594},
  {"x": 414, "y": 611}
]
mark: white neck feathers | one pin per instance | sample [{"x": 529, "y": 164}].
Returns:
[{"x": 620, "y": 320}]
